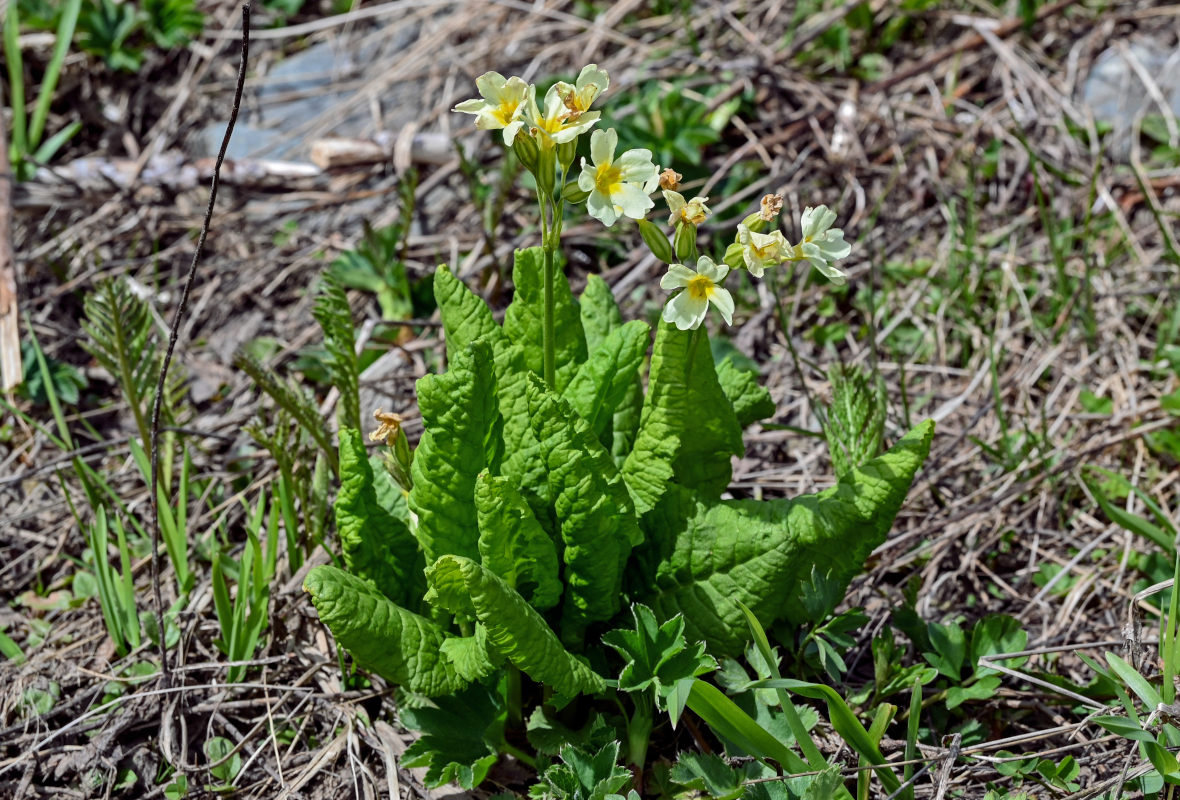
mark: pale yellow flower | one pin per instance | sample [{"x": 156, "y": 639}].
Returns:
[
  {"x": 553, "y": 122},
  {"x": 762, "y": 250},
  {"x": 701, "y": 286},
  {"x": 501, "y": 104},
  {"x": 822, "y": 244},
  {"x": 691, "y": 212},
  {"x": 618, "y": 187},
  {"x": 592, "y": 81}
]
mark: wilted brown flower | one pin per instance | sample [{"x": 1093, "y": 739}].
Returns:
[{"x": 772, "y": 204}]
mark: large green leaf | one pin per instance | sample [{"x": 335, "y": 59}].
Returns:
[
  {"x": 709, "y": 555},
  {"x": 465, "y": 316},
  {"x": 377, "y": 545},
  {"x": 602, "y": 382},
  {"x": 514, "y": 628},
  {"x": 522, "y": 320},
  {"x": 513, "y": 544},
  {"x": 462, "y": 438},
  {"x": 751, "y": 402},
  {"x": 599, "y": 311},
  {"x": 597, "y": 519},
  {"x": 600, "y": 316},
  {"x": 688, "y": 431},
  {"x": 397, "y": 644}
]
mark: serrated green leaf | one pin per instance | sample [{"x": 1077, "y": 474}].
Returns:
[
  {"x": 599, "y": 312},
  {"x": 514, "y": 628},
  {"x": 459, "y": 738},
  {"x": 688, "y": 430},
  {"x": 856, "y": 418},
  {"x": 397, "y": 644},
  {"x": 583, "y": 776},
  {"x": 470, "y": 654},
  {"x": 751, "y": 402},
  {"x": 462, "y": 438},
  {"x": 513, "y": 545},
  {"x": 711, "y": 555},
  {"x": 625, "y": 423},
  {"x": 602, "y": 382},
  {"x": 522, "y": 320},
  {"x": 377, "y": 546},
  {"x": 596, "y": 518},
  {"x": 334, "y": 316},
  {"x": 658, "y": 657}
]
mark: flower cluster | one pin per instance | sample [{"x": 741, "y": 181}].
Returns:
[
  {"x": 545, "y": 135},
  {"x": 821, "y": 246},
  {"x": 613, "y": 186}
]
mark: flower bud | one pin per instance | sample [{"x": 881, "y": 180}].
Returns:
[
  {"x": 525, "y": 147},
  {"x": 656, "y": 241}
]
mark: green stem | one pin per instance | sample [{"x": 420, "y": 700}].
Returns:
[
  {"x": 515, "y": 715},
  {"x": 547, "y": 324},
  {"x": 639, "y": 732},
  {"x": 518, "y": 754}
]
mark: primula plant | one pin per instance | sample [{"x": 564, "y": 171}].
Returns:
[{"x": 556, "y": 549}]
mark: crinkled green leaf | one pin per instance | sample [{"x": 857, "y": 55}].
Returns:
[
  {"x": 514, "y": 628},
  {"x": 522, "y": 320},
  {"x": 397, "y": 644},
  {"x": 465, "y": 316},
  {"x": 711, "y": 555},
  {"x": 856, "y": 418},
  {"x": 751, "y": 402},
  {"x": 600, "y": 316},
  {"x": 688, "y": 430},
  {"x": 594, "y": 511},
  {"x": 625, "y": 424},
  {"x": 513, "y": 544},
  {"x": 377, "y": 545},
  {"x": 462, "y": 438},
  {"x": 460, "y": 736},
  {"x": 599, "y": 311},
  {"x": 602, "y": 382}
]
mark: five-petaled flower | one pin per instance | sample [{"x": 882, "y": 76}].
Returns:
[
  {"x": 503, "y": 104},
  {"x": 553, "y": 122},
  {"x": 762, "y": 250},
  {"x": 592, "y": 81},
  {"x": 618, "y": 187},
  {"x": 692, "y": 212},
  {"x": 701, "y": 287},
  {"x": 822, "y": 244}
]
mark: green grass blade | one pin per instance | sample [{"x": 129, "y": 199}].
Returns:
[
  {"x": 728, "y": 720},
  {"x": 16, "y": 83},
  {"x": 814, "y": 758},
  {"x": 61, "y": 47}
]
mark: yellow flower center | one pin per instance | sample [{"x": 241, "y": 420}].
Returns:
[
  {"x": 505, "y": 112},
  {"x": 765, "y": 251},
  {"x": 608, "y": 179},
  {"x": 700, "y": 288}
]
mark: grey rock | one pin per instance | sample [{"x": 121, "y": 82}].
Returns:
[{"x": 1116, "y": 93}]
